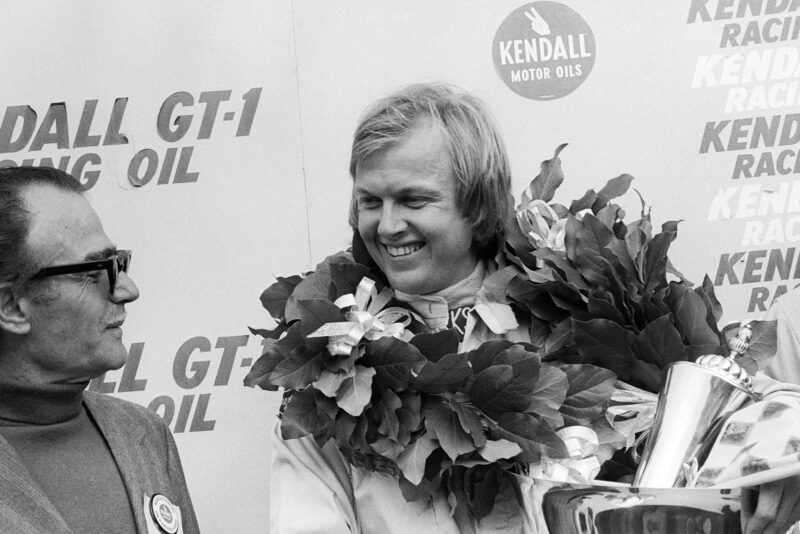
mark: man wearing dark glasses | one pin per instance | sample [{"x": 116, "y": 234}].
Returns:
[{"x": 72, "y": 461}]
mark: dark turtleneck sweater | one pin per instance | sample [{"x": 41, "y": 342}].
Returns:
[{"x": 58, "y": 441}]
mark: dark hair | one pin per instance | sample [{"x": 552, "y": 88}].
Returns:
[
  {"x": 477, "y": 153},
  {"x": 15, "y": 261}
]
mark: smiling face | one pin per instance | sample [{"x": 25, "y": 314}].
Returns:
[
  {"x": 75, "y": 323},
  {"x": 408, "y": 216}
]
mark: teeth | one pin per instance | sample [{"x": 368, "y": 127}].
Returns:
[{"x": 402, "y": 251}]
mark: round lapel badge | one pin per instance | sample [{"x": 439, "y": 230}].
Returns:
[{"x": 164, "y": 514}]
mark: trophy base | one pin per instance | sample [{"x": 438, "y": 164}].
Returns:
[{"x": 612, "y": 509}]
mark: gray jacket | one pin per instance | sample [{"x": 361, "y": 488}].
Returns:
[{"x": 146, "y": 455}]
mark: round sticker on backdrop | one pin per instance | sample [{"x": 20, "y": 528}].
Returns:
[{"x": 543, "y": 50}]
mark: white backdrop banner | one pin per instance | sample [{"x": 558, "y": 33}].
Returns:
[
  {"x": 181, "y": 119},
  {"x": 213, "y": 140}
]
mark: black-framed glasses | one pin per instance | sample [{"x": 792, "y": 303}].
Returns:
[{"x": 113, "y": 265}]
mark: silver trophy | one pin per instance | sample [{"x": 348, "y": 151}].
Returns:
[{"x": 695, "y": 401}]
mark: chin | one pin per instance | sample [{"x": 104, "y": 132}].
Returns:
[
  {"x": 413, "y": 286},
  {"x": 114, "y": 358}
]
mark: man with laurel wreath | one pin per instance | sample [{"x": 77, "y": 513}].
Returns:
[{"x": 431, "y": 198}]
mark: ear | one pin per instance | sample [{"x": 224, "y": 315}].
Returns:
[{"x": 13, "y": 311}]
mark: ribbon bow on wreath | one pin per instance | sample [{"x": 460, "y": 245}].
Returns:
[
  {"x": 366, "y": 319},
  {"x": 581, "y": 465}
]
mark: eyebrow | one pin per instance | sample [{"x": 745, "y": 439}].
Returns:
[
  {"x": 101, "y": 254},
  {"x": 411, "y": 190}
]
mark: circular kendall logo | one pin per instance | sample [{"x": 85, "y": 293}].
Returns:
[{"x": 543, "y": 50}]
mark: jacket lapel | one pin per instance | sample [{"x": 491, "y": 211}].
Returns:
[
  {"x": 124, "y": 438},
  {"x": 24, "y": 507}
]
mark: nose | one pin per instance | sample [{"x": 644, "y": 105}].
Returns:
[
  {"x": 125, "y": 290},
  {"x": 392, "y": 221}
]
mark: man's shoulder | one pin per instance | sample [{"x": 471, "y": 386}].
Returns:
[
  {"x": 788, "y": 303},
  {"x": 130, "y": 409}
]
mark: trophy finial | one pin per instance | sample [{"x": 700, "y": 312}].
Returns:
[
  {"x": 738, "y": 345},
  {"x": 727, "y": 366}
]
